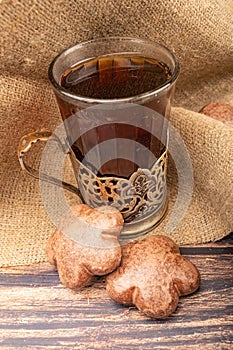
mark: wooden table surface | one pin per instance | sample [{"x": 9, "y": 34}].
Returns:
[{"x": 37, "y": 312}]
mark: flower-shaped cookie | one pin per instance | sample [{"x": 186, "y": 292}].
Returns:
[
  {"x": 86, "y": 244},
  {"x": 152, "y": 276}
]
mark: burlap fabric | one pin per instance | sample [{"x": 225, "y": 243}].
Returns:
[{"x": 33, "y": 32}]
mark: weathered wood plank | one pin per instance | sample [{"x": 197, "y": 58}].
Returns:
[{"x": 37, "y": 312}]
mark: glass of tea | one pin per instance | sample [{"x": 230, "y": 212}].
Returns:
[{"x": 115, "y": 96}]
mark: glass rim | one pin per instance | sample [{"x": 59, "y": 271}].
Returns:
[{"x": 89, "y": 100}]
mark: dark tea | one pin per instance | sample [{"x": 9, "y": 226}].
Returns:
[{"x": 118, "y": 77}]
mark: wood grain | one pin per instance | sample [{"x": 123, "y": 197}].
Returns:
[{"x": 37, "y": 312}]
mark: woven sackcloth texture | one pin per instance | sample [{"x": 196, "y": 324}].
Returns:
[{"x": 34, "y": 31}]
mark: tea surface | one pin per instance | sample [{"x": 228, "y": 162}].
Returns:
[{"x": 113, "y": 77}]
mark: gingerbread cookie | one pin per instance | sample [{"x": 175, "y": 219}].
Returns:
[
  {"x": 220, "y": 111},
  {"x": 86, "y": 244},
  {"x": 152, "y": 276}
]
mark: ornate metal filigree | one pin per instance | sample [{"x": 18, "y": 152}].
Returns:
[{"x": 140, "y": 195}]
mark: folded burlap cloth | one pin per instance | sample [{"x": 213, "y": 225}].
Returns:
[{"x": 33, "y": 32}]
